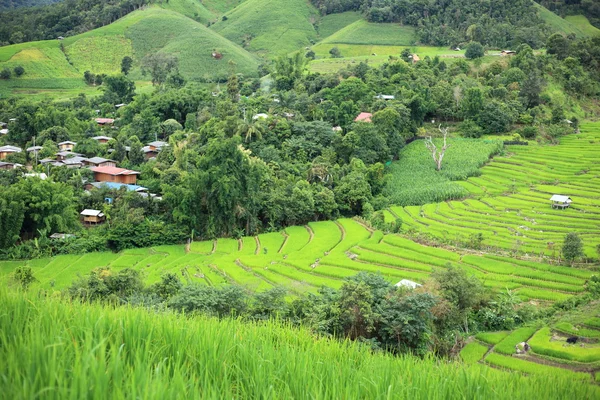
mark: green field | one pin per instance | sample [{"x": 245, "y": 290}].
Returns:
[
  {"x": 140, "y": 33},
  {"x": 414, "y": 179},
  {"x": 509, "y": 203},
  {"x": 57, "y": 350},
  {"x": 331, "y": 23},
  {"x": 369, "y": 33},
  {"x": 302, "y": 259},
  {"x": 577, "y": 24},
  {"x": 270, "y": 28}
]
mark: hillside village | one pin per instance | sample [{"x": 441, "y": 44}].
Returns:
[{"x": 313, "y": 198}]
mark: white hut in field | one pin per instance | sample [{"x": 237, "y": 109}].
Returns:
[
  {"x": 408, "y": 284},
  {"x": 559, "y": 201}
]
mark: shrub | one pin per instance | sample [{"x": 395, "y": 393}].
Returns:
[
  {"x": 335, "y": 53},
  {"x": 5, "y": 73},
  {"x": 528, "y": 132},
  {"x": 572, "y": 247},
  {"x": 19, "y": 70},
  {"x": 474, "y": 50},
  {"x": 470, "y": 129}
]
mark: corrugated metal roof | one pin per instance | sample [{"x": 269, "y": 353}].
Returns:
[{"x": 561, "y": 198}]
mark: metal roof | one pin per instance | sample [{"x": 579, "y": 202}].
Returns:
[
  {"x": 560, "y": 198},
  {"x": 92, "y": 213}
]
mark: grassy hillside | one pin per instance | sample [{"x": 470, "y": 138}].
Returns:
[
  {"x": 194, "y": 9},
  {"x": 579, "y": 25},
  {"x": 48, "y": 66},
  {"x": 367, "y": 33},
  {"x": 330, "y": 24},
  {"x": 583, "y": 24},
  {"x": 270, "y": 28}
]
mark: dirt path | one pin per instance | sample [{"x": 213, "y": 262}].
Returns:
[
  {"x": 257, "y": 240},
  {"x": 285, "y": 240}
]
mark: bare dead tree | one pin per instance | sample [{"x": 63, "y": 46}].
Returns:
[{"x": 438, "y": 156}]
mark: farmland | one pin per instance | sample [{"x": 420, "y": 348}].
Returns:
[
  {"x": 302, "y": 259},
  {"x": 509, "y": 202},
  {"x": 549, "y": 352},
  {"x": 576, "y": 24}
]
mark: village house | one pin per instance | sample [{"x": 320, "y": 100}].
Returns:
[
  {"x": 153, "y": 148},
  {"x": 61, "y": 236},
  {"x": 363, "y": 117},
  {"x": 105, "y": 121},
  {"x": 74, "y": 162},
  {"x": 63, "y": 155},
  {"x": 385, "y": 97},
  {"x": 34, "y": 149},
  {"x": 92, "y": 217},
  {"x": 7, "y": 150},
  {"x": 415, "y": 58},
  {"x": 408, "y": 284},
  {"x": 3, "y": 131},
  {"x": 102, "y": 139},
  {"x": 561, "y": 202},
  {"x": 99, "y": 162},
  {"x": 66, "y": 145},
  {"x": 7, "y": 165},
  {"x": 115, "y": 174},
  {"x": 505, "y": 53}
]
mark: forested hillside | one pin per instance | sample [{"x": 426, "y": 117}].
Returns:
[
  {"x": 449, "y": 23},
  {"x": 589, "y": 8},
  {"x": 10, "y": 4}
]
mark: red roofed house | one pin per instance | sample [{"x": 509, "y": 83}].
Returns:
[
  {"x": 363, "y": 117},
  {"x": 115, "y": 174},
  {"x": 104, "y": 121}
]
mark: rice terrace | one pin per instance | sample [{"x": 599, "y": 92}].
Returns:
[{"x": 299, "y": 199}]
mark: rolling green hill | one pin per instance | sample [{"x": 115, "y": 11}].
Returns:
[
  {"x": 578, "y": 25},
  {"x": 363, "y": 32},
  {"x": 331, "y": 23},
  {"x": 60, "y": 65},
  {"x": 270, "y": 28}
]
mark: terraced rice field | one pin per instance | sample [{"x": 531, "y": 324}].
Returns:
[
  {"x": 304, "y": 258},
  {"x": 549, "y": 351},
  {"x": 509, "y": 203}
]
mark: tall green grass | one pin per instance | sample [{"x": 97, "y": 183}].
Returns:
[{"x": 58, "y": 350}]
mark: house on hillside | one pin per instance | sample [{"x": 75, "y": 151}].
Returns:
[
  {"x": 66, "y": 145},
  {"x": 408, "y": 284},
  {"x": 3, "y": 131},
  {"x": 63, "y": 155},
  {"x": 115, "y": 174},
  {"x": 385, "y": 97},
  {"x": 99, "y": 162},
  {"x": 92, "y": 217},
  {"x": 559, "y": 201},
  {"x": 8, "y": 165},
  {"x": 102, "y": 139},
  {"x": 105, "y": 121},
  {"x": 74, "y": 162},
  {"x": 363, "y": 117},
  {"x": 153, "y": 148},
  {"x": 415, "y": 58},
  {"x": 505, "y": 53},
  {"x": 6, "y": 150},
  {"x": 34, "y": 149},
  {"x": 61, "y": 236}
]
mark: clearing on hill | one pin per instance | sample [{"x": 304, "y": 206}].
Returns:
[
  {"x": 578, "y": 24},
  {"x": 369, "y": 33},
  {"x": 54, "y": 64},
  {"x": 270, "y": 28}
]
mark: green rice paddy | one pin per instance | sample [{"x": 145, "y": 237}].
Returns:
[{"x": 509, "y": 202}]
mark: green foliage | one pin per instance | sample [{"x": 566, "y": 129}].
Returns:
[
  {"x": 23, "y": 276},
  {"x": 492, "y": 337},
  {"x": 19, "y": 70},
  {"x": 540, "y": 344},
  {"x": 572, "y": 248},
  {"x": 515, "y": 364},
  {"x": 474, "y": 50},
  {"x": 126, "y": 64},
  {"x": 335, "y": 52},
  {"x": 5, "y": 73}
]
